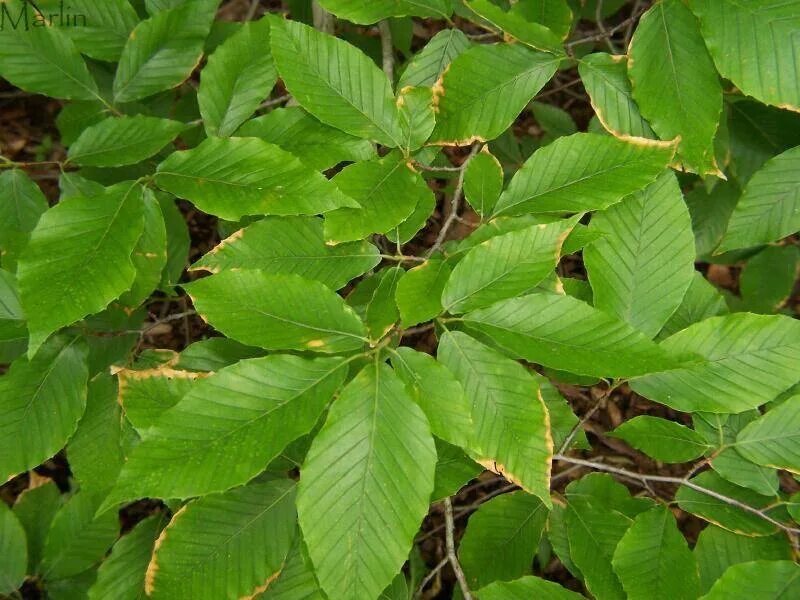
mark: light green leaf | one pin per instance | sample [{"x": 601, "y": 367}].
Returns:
[
  {"x": 21, "y": 205},
  {"x": 78, "y": 539},
  {"x": 162, "y": 51},
  {"x": 664, "y": 440},
  {"x": 721, "y": 513},
  {"x": 335, "y": 82},
  {"x": 769, "y": 208},
  {"x": 505, "y": 266},
  {"x": 766, "y": 70},
  {"x": 13, "y": 549},
  {"x": 675, "y": 83},
  {"x": 717, "y": 549},
  {"x": 483, "y": 182},
  {"x": 234, "y": 177},
  {"x": 150, "y": 254},
  {"x": 242, "y": 417},
  {"x": 484, "y": 90},
  {"x": 417, "y": 116},
  {"x": 291, "y": 245},
  {"x": 438, "y": 393},
  {"x": 238, "y": 76},
  {"x": 427, "y": 65},
  {"x": 106, "y": 29},
  {"x": 230, "y": 545},
  {"x": 605, "y": 78},
  {"x": 315, "y": 144},
  {"x": 583, "y": 172},
  {"x": 743, "y": 361},
  {"x": 297, "y": 580},
  {"x": 525, "y": 588},
  {"x": 78, "y": 259},
  {"x": 515, "y": 25},
  {"x": 42, "y": 401},
  {"x": 419, "y": 292},
  {"x": 501, "y": 538},
  {"x": 735, "y": 468},
  {"x": 701, "y": 301},
  {"x": 366, "y": 13},
  {"x": 776, "y": 580},
  {"x": 212, "y": 354},
  {"x": 375, "y": 441},
  {"x": 767, "y": 280},
  {"x": 512, "y": 434},
  {"x": 555, "y": 14},
  {"x": 115, "y": 142},
  {"x": 534, "y": 328},
  {"x": 43, "y": 60},
  {"x": 381, "y": 313},
  {"x": 121, "y": 576},
  {"x": 653, "y": 561},
  {"x": 144, "y": 395},
  {"x": 773, "y": 440},
  {"x": 278, "y": 312},
  {"x": 388, "y": 192},
  {"x": 642, "y": 266}
]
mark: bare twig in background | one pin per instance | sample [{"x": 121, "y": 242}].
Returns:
[
  {"x": 434, "y": 572},
  {"x": 387, "y": 50},
  {"x": 323, "y": 20},
  {"x": 451, "y": 549}
]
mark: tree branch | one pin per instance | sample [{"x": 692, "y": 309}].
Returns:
[
  {"x": 387, "y": 50},
  {"x": 451, "y": 549}
]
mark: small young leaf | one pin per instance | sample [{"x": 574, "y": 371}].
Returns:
[
  {"x": 20, "y": 209},
  {"x": 483, "y": 182},
  {"x": 773, "y": 440},
  {"x": 664, "y": 440},
  {"x": 515, "y": 25},
  {"x": 107, "y": 27},
  {"x": 419, "y": 292},
  {"x": 428, "y": 64},
  {"x": 701, "y": 301},
  {"x": 417, "y": 116}
]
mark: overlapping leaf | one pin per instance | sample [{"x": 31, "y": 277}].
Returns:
[{"x": 773, "y": 440}]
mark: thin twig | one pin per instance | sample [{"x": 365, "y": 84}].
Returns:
[
  {"x": 417, "y": 330},
  {"x": 560, "y": 88},
  {"x": 645, "y": 478},
  {"x": 598, "y": 17},
  {"x": 251, "y": 12},
  {"x": 599, "y": 36},
  {"x": 422, "y": 167},
  {"x": 451, "y": 549},
  {"x": 387, "y": 49},
  {"x": 589, "y": 414},
  {"x": 427, "y": 579},
  {"x": 629, "y": 27},
  {"x": 323, "y": 20},
  {"x": 454, "y": 202},
  {"x": 275, "y": 101}
]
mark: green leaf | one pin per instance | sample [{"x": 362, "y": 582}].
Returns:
[
  {"x": 733, "y": 467},
  {"x": 388, "y": 192},
  {"x": 717, "y": 549},
  {"x": 642, "y": 266},
  {"x": 43, "y": 60},
  {"x": 375, "y": 441},
  {"x": 78, "y": 539},
  {"x": 485, "y": 89},
  {"x": 242, "y": 417},
  {"x": 653, "y": 561},
  {"x": 744, "y": 361},
  {"x": 505, "y": 266},
  {"x": 427, "y": 65},
  {"x": 145, "y": 394},
  {"x": 501, "y": 539},
  {"x": 315, "y": 144},
  {"x": 701, "y": 301},
  {"x": 767, "y": 280},
  {"x": 419, "y": 292},
  {"x": 366, "y": 13},
  {"x": 777, "y": 580},
  {"x": 21, "y": 205},
  {"x": 438, "y": 393},
  {"x": 42, "y": 401},
  {"x": 35, "y": 508},
  {"x": 238, "y": 76},
  {"x": 533, "y": 328},
  {"x": 675, "y": 83},
  {"x": 107, "y": 27},
  {"x": 278, "y": 312},
  {"x": 555, "y": 14},
  {"x": 162, "y": 51},
  {"x": 335, "y": 82},
  {"x": 582, "y": 172},
  {"x": 99, "y": 434},
  {"x": 721, "y": 513},
  {"x": 381, "y": 313},
  {"x": 454, "y": 469},
  {"x": 121, "y": 576},
  {"x": 212, "y": 354},
  {"x": 773, "y": 440},
  {"x": 483, "y": 182},
  {"x": 512, "y": 434},
  {"x": 605, "y": 78},
  {"x": 417, "y": 116},
  {"x": 230, "y": 545},
  {"x": 234, "y": 177},
  {"x": 711, "y": 211},
  {"x": 13, "y": 549},
  {"x": 769, "y": 208},
  {"x": 767, "y": 70},
  {"x": 562, "y": 419},
  {"x": 515, "y": 25},
  {"x": 525, "y": 588},
  {"x": 115, "y": 142},
  {"x": 92, "y": 240},
  {"x": 664, "y": 440},
  {"x": 297, "y": 580},
  {"x": 291, "y": 245}
]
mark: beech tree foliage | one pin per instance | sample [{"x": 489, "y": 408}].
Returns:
[{"x": 389, "y": 311}]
